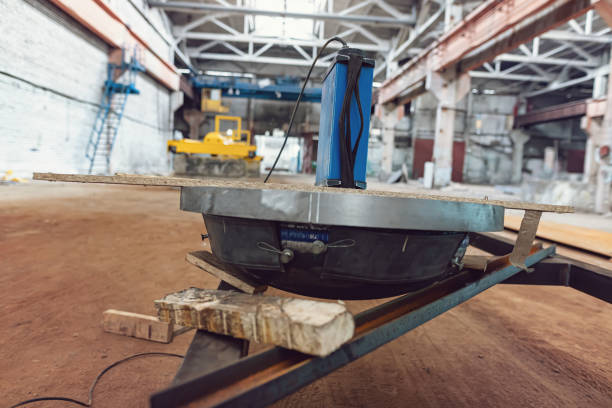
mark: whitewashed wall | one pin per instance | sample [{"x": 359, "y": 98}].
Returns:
[{"x": 51, "y": 76}]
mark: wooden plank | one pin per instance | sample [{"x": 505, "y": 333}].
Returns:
[
  {"x": 211, "y": 264},
  {"x": 137, "y": 325},
  {"x": 256, "y": 185},
  {"x": 317, "y": 328},
  {"x": 579, "y": 237}
]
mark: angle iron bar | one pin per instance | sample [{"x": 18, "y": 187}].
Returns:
[
  {"x": 268, "y": 376},
  {"x": 561, "y": 271},
  {"x": 558, "y": 270},
  {"x": 591, "y": 280}
]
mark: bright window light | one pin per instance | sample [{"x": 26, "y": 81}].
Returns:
[
  {"x": 229, "y": 74},
  {"x": 281, "y": 27}
]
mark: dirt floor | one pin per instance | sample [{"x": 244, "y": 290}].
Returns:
[{"x": 68, "y": 252}]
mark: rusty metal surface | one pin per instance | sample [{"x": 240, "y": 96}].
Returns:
[
  {"x": 266, "y": 377},
  {"x": 552, "y": 113},
  {"x": 493, "y": 28},
  {"x": 209, "y": 351}
]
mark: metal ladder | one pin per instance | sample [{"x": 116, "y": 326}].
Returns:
[{"x": 120, "y": 82}]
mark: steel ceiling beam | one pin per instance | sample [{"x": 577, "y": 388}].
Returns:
[
  {"x": 247, "y": 38},
  {"x": 513, "y": 77},
  {"x": 490, "y": 30},
  {"x": 557, "y": 85},
  {"x": 258, "y": 59},
  {"x": 418, "y": 32},
  {"x": 191, "y": 7},
  {"x": 575, "y": 37},
  {"x": 546, "y": 60}
]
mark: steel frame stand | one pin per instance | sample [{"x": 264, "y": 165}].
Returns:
[{"x": 220, "y": 378}]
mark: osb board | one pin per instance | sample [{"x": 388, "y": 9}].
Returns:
[
  {"x": 257, "y": 185},
  {"x": 584, "y": 238}
]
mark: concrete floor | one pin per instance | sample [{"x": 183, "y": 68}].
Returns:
[{"x": 68, "y": 252}]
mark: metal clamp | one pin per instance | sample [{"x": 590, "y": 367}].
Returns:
[{"x": 286, "y": 254}]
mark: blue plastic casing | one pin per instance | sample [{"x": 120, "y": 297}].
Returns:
[{"x": 328, "y": 155}]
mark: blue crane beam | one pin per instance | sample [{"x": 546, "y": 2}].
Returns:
[{"x": 233, "y": 88}]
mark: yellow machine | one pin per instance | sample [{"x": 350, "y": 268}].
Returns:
[
  {"x": 217, "y": 143},
  {"x": 211, "y": 101},
  {"x": 230, "y": 155}
]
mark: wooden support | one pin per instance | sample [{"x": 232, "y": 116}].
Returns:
[
  {"x": 137, "y": 325},
  {"x": 477, "y": 262},
  {"x": 228, "y": 273},
  {"x": 308, "y": 326}
]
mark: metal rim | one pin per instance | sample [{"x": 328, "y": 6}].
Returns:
[{"x": 352, "y": 210}]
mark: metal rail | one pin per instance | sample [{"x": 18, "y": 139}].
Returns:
[
  {"x": 268, "y": 376},
  {"x": 558, "y": 271}
]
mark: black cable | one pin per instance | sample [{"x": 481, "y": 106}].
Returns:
[
  {"x": 348, "y": 153},
  {"x": 31, "y": 401},
  {"x": 299, "y": 98},
  {"x": 96, "y": 380}
]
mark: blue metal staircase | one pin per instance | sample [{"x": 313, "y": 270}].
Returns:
[{"x": 120, "y": 82}]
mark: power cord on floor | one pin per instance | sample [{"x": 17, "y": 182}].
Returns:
[
  {"x": 299, "y": 98},
  {"x": 96, "y": 380}
]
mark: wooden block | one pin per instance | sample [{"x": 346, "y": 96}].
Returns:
[
  {"x": 484, "y": 263},
  {"x": 312, "y": 327},
  {"x": 476, "y": 262},
  {"x": 178, "y": 330},
  {"x": 211, "y": 264},
  {"x": 137, "y": 325}
]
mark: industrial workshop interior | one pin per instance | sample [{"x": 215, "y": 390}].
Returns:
[{"x": 306, "y": 203}]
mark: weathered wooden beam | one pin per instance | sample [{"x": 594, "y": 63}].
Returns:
[
  {"x": 137, "y": 325},
  {"x": 308, "y": 326},
  {"x": 228, "y": 273}
]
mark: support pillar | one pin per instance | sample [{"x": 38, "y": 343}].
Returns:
[
  {"x": 448, "y": 90},
  {"x": 194, "y": 118},
  {"x": 602, "y": 192},
  {"x": 390, "y": 116},
  {"x": 593, "y": 127},
  {"x": 519, "y": 138}
]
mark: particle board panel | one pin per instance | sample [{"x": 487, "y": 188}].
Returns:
[{"x": 210, "y": 182}]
